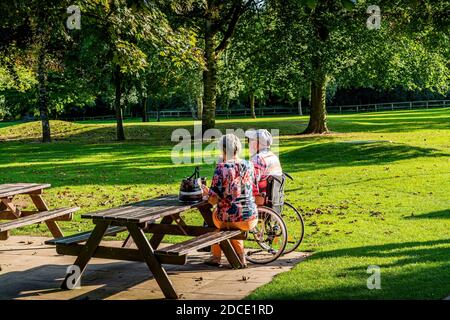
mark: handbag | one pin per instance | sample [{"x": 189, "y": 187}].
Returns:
[{"x": 191, "y": 188}]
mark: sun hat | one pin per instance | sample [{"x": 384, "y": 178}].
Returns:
[{"x": 262, "y": 135}]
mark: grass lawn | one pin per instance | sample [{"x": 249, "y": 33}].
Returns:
[{"x": 375, "y": 192}]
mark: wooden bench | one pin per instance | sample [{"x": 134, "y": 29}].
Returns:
[
  {"x": 43, "y": 216},
  {"x": 140, "y": 218},
  {"x": 82, "y": 237},
  {"x": 199, "y": 242}
]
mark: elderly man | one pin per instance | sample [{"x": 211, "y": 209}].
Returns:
[{"x": 265, "y": 162}]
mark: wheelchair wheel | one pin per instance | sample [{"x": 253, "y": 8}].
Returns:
[
  {"x": 295, "y": 227},
  {"x": 266, "y": 242}
]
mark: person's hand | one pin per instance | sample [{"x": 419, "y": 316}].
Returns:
[
  {"x": 213, "y": 200},
  {"x": 259, "y": 200},
  {"x": 205, "y": 190}
]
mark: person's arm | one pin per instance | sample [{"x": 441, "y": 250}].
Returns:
[
  {"x": 259, "y": 200},
  {"x": 216, "y": 183},
  {"x": 213, "y": 200},
  {"x": 259, "y": 167}
]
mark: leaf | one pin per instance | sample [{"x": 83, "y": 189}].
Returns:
[
  {"x": 311, "y": 4},
  {"x": 348, "y": 4}
]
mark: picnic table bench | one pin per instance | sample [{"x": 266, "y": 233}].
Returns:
[
  {"x": 19, "y": 218},
  {"x": 160, "y": 216}
]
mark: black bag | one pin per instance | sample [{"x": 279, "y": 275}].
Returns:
[{"x": 191, "y": 188}]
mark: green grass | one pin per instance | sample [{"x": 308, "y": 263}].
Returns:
[{"x": 384, "y": 203}]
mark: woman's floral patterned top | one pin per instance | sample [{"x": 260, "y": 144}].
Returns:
[{"x": 235, "y": 185}]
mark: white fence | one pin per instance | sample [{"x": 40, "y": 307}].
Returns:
[
  {"x": 389, "y": 106},
  {"x": 278, "y": 110}
]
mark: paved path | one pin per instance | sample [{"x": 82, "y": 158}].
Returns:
[{"x": 31, "y": 270}]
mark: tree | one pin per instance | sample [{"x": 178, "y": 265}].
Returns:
[
  {"x": 36, "y": 28},
  {"x": 217, "y": 21},
  {"x": 257, "y": 64},
  {"x": 334, "y": 42}
]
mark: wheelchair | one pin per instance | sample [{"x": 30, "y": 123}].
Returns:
[{"x": 280, "y": 227}]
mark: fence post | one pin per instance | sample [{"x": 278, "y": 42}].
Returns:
[
  {"x": 427, "y": 104},
  {"x": 340, "y": 110},
  {"x": 410, "y": 105},
  {"x": 375, "y": 105},
  {"x": 392, "y": 106}
]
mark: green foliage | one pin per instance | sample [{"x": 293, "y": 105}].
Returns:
[{"x": 274, "y": 49}]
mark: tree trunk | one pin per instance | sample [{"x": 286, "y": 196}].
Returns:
[
  {"x": 118, "y": 106},
  {"x": 199, "y": 107},
  {"x": 300, "y": 110},
  {"x": 252, "y": 104},
  {"x": 227, "y": 107},
  {"x": 43, "y": 98},
  {"x": 209, "y": 80},
  {"x": 157, "y": 111},
  {"x": 144, "y": 109},
  {"x": 318, "y": 113}
]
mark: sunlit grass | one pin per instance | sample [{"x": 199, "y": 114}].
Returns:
[{"x": 382, "y": 200}]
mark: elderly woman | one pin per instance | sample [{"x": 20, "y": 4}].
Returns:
[{"x": 232, "y": 189}]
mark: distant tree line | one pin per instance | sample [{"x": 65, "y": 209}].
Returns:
[{"x": 66, "y": 58}]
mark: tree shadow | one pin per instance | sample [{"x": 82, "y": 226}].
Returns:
[
  {"x": 397, "y": 121},
  {"x": 67, "y": 164},
  {"x": 443, "y": 214},
  {"x": 422, "y": 263},
  {"x": 316, "y": 156},
  {"x": 104, "y": 280},
  {"x": 159, "y": 133},
  {"x": 7, "y": 124}
]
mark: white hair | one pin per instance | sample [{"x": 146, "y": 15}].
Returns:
[{"x": 230, "y": 145}]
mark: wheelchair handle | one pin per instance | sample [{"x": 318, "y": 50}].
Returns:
[{"x": 288, "y": 175}]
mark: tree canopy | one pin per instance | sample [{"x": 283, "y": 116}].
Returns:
[{"x": 62, "y": 55}]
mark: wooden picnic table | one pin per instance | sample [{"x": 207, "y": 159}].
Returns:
[
  {"x": 10, "y": 211},
  {"x": 160, "y": 217}
]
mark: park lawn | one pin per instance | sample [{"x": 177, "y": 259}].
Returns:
[{"x": 375, "y": 192}]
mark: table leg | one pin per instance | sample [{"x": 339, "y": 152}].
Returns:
[
  {"x": 9, "y": 205},
  {"x": 42, "y": 206},
  {"x": 153, "y": 264},
  {"x": 4, "y": 235},
  {"x": 206, "y": 212},
  {"x": 88, "y": 250},
  {"x": 156, "y": 239},
  {"x": 128, "y": 242},
  {"x": 231, "y": 254}
]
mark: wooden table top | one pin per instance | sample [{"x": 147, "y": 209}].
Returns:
[
  {"x": 12, "y": 189},
  {"x": 143, "y": 211}
]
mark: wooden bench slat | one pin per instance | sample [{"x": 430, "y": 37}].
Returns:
[
  {"x": 174, "y": 229},
  {"x": 81, "y": 237},
  {"x": 11, "y": 189},
  {"x": 146, "y": 215},
  {"x": 113, "y": 213},
  {"x": 200, "y": 242},
  {"x": 8, "y": 215},
  {"x": 126, "y": 254},
  {"x": 128, "y": 209},
  {"x": 141, "y": 214},
  {"x": 35, "y": 218}
]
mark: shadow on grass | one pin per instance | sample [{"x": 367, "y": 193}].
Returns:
[
  {"x": 397, "y": 121},
  {"x": 105, "y": 280},
  {"x": 8, "y": 124},
  {"x": 340, "y": 154},
  {"x": 443, "y": 214},
  {"x": 65, "y": 164},
  {"x": 420, "y": 270},
  {"x": 159, "y": 133}
]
